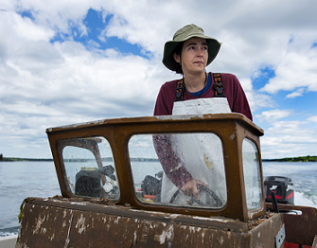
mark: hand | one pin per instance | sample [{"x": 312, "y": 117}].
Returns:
[{"x": 190, "y": 188}]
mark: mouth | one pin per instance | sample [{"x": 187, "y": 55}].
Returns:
[{"x": 199, "y": 62}]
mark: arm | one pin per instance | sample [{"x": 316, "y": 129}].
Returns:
[
  {"x": 162, "y": 143},
  {"x": 171, "y": 164}
]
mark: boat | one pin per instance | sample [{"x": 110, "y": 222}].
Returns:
[
  {"x": 8, "y": 241},
  {"x": 100, "y": 166}
]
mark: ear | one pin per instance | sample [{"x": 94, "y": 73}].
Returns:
[{"x": 177, "y": 58}]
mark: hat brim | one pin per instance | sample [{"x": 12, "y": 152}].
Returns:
[{"x": 168, "y": 59}]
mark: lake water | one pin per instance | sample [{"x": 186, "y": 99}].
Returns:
[{"x": 19, "y": 180}]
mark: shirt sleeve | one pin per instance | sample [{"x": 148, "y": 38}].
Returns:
[
  {"x": 171, "y": 164},
  {"x": 162, "y": 143},
  {"x": 236, "y": 97}
]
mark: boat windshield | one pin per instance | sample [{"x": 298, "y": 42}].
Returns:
[
  {"x": 162, "y": 164},
  {"x": 252, "y": 174},
  {"x": 89, "y": 167}
]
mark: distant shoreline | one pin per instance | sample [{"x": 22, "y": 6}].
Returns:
[
  {"x": 295, "y": 159},
  {"x": 73, "y": 160},
  {"x": 26, "y": 159}
]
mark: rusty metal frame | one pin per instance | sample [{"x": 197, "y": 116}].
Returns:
[{"x": 230, "y": 128}]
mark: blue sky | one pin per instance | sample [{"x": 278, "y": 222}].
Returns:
[
  {"x": 63, "y": 63},
  {"x": 96, "y": 23}
]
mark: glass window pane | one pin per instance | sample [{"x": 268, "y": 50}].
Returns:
[
  {"x": 162, "y": 165},
  {"x": 89, "y": 167},
  {"x": 252, "y": 175}
]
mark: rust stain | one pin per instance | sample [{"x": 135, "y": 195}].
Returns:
[{"x": 208, "y": 162}]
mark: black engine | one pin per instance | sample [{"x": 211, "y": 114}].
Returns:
[{"x": 280, "y": 187}]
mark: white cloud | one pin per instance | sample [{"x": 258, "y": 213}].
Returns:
[
  {"x": 298, "y": 92},
  {"x": 24, "y": 27},
  {"x": 44, "y": 84},
  {"x": 296, "y": 67},
  {"x": 273, "y": 115},
  {"x": 289, "y": 139},
  {"x": 312, "y": 118}
]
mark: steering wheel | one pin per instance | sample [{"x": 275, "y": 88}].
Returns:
[{"x": 201, "y": 188}]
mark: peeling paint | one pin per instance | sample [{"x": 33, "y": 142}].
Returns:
[
  {"x": 220, "y": 240},
  {"x": 178, "y": 117},
  {"x": 81, "y": 224},
  {"x": 76, "y": 125},
  {"x": 192, "y": 229},
  {"x": 67, "y": 238},
  {"x": 79, "y": 203},
  {"x": 52, "y": 237},
  {"x": 39, "y": 222},
  {"x": 166, "y": 235},
  {"x": 213, "y": 219},
  {"x": 117, "y": 220}
]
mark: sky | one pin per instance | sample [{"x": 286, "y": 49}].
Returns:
[{"x": 72, "y": 61}]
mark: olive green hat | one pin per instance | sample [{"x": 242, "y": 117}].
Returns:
[{"x": 183, "y": 34}]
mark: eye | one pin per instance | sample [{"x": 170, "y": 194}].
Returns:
[{"x": 205, "y": 48}]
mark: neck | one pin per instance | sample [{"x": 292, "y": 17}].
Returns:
[{"x": 195, "y": 83}]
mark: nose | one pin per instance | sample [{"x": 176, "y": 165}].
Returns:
[{"x": 200, "y": 52}]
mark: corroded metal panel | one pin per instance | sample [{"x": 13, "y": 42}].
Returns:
[
  {"x": 268, "y": 228},
  {"x": 52, "y": 223},
  {"x": 300, "y": 223}
]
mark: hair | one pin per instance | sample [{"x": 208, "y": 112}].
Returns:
[{"x": 178, "y": 51}]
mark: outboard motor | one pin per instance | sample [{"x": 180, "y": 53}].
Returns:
[
  {"x": 280, "y": 187},
  {"x": 88, "y": 181}
]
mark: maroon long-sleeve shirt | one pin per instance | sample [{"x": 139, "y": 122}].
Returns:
[{"x": 164, "y": 105}]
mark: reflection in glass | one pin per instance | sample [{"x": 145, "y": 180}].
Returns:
[
  {"x": 252, "y": 175},
  {"x": 162, "y": 164},
  {"x": 89, "y": 167}
]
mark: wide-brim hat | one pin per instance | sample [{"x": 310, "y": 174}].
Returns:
[{"x": 184, "y": 34}]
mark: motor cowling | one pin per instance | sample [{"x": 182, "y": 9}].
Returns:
[
  {"x": 281, "y": 187},
  {"x": 88, "y": 183}
]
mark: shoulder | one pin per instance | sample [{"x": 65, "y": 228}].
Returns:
[
  {"x": 230, "y": 81},
  {"x": 165, "y": 99},
  {"x": 168, "y": 89},
  {"x": 229, "y": 77},
  {"x": 169, "y": 85}
]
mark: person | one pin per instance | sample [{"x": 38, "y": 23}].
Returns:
[{"x": 189, "y": 53}]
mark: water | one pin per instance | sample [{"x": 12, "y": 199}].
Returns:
[
  {"x": 303, "y": 175},
  {"x": 19, "y": 180}
]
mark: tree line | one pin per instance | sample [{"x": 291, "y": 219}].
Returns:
[{"x": 295, "y": 159}]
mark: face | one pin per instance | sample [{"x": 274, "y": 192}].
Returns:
[{"x": 194, "y": 56}]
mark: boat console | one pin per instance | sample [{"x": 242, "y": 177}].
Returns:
[{"x": 111, "y": 174}]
